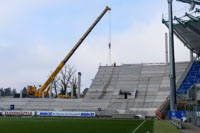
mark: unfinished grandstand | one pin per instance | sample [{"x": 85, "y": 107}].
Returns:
[{"x": 136, "y": 89}]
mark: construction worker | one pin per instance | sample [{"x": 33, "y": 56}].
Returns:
[{"x": 114, "y": 64}]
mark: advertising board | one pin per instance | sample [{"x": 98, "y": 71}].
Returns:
[
  {"x": 88, "y": 114},
  {"x": 17, "y": 113},
  {"x": 66, "y": 114},
  {"x": 198, "y": 114},
  {"x": 78, "y": 114},
  {"x": 177, "y": 114},
  {"x": 43, "y": 113},
  {"x": 47, "y": 113}
]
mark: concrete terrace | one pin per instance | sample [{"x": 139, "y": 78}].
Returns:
[{"x": 149, "y": 81}]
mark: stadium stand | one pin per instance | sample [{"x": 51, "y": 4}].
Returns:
[
  {"x": 138, "y": 89},
  {"x": 192, "y": 77}
]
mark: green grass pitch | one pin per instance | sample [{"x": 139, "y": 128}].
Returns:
[{"x": 64, "y": 125}]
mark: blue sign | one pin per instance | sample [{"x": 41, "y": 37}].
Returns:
[
  {"x": 99, "y": 109},
  {"x": 46, "y": 113},
  {"x": 177, "y": 114},
  {"x": 12, "y": 107},
  {"x": 86, "y": 114}
]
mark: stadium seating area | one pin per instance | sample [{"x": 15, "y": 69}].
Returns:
[
  {"x": 147, "y": 86},
  {"x": 192, "y": 77}
]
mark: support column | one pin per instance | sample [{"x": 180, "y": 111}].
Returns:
[
  {"x": 166, "y": 48},
  {"x": 72, "y": 92},
  {"x": 50, "y": 95},
  {"x": 79, "y": 84},
  {"x": 172, "y": 61},
  {"x": 66, "y": 92},
  {"x": 21, "y": 93},
  {"x": 43, "y": 94},
  {"x": 191, "y": 56}
]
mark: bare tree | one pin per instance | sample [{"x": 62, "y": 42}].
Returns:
[
  {"x": 65, "y": 77},
  {"x": 55, "y": 84},
  {"x": 74, "y": 84}
]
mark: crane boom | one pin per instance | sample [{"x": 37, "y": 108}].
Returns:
[{"x": 62, "y": 63}]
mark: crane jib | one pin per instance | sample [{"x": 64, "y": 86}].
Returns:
[{"x": 57, "y": 70}]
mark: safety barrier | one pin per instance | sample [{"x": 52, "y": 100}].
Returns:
[
  {"x": 176, "y": 122},
  {"x": 47, "y": 113}
]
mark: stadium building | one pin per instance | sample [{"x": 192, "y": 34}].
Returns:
[{"x": 133, "y": 90}]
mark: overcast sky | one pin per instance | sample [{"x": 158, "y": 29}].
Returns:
[{"x": 35, "y": 35}]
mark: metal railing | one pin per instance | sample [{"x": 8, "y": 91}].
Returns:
[{"x": 176, "y": 122}]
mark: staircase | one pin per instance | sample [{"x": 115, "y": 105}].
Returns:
[
  {"x": 107, "y": 84},
  {"x": 160, "y": 113}
]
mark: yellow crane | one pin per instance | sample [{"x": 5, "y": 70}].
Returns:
[{"x": 31, "y": 90}]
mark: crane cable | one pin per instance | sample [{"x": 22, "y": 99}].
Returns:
[{"x": 109, "y": 39}]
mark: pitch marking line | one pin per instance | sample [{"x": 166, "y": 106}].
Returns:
[{"x": 139, "y": 126}]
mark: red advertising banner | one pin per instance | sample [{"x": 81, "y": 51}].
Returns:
[{"x": 27, "y": 113}]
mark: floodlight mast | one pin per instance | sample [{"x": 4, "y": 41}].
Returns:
[{"x": 172, "y": 60}]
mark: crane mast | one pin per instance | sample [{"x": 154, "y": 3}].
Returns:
[{"x": 62, "y": 63}]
